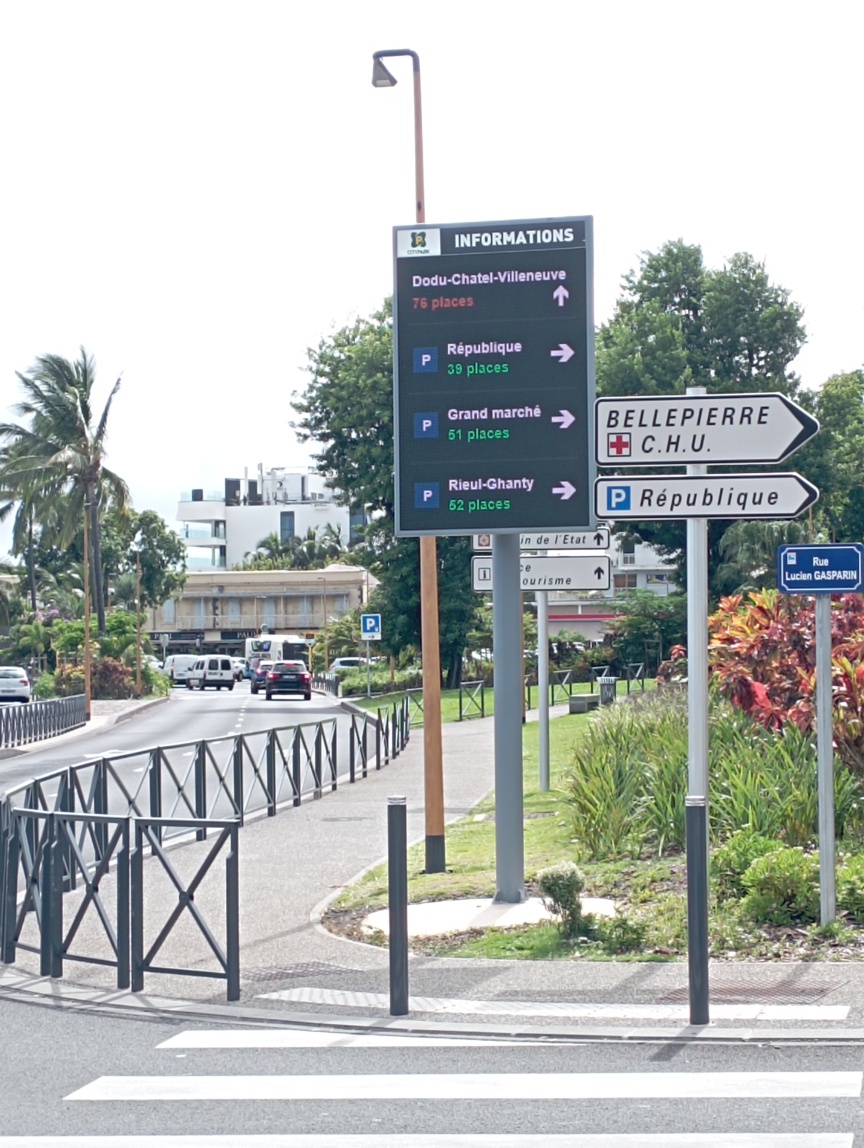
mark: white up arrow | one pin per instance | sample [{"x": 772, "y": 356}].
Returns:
[
  {"x": 562, "y": 352},
  {"x": 565, "y": 490},
  {"x": 565, "y": 419},
  {"x": 560, "y": 294}
]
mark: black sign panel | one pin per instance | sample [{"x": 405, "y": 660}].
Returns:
[{"x": 494, "y": 366}]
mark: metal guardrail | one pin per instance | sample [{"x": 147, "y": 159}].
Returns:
[
  {"x": 326, "y": 683},
  {"x": 86, "y": 828},
  {"x": 635, "y": 672},
  {"x": 472, "y": 700},
  {"x": 24, "y": 724}
]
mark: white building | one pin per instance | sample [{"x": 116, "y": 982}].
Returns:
[{"x": 220, "y": 528}]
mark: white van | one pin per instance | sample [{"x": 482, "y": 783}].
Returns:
[
  {"x": 177, "y": 667},
  {"x": 214, "y": 670}
]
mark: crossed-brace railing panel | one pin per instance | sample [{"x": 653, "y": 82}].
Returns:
[{"x": 21, "y": 725}]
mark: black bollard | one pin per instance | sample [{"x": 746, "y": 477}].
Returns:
[{"x": 397, "y": 870}]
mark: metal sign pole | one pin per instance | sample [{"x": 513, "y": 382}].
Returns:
[
  {"x": 825, "y": 758},
  {"x": 506, "y": 605},
  {"x": 368, "y": 673},
  {"x": 543, "y": 684},
  {"x": 697, "y": 742}
]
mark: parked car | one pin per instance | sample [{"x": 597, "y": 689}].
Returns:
[
  {"x": 259, "y": 675},
  {"x": 346, "y": 664},
  {"x": 14, "y": 684},
  {"x": 239, "y": 665},
  {"x": 177, "y": 667},
  {"x": 288, "y": 678},
  {"x": 215, "y": 670}
]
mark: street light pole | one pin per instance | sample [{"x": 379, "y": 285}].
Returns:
[
  {"x": 429, "y": 629},
  {"x": 138, "y": 623},
  {"x": 87, "y": 706}
]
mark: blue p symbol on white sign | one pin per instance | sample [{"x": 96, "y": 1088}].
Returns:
[{"x": 617, "y": 498}]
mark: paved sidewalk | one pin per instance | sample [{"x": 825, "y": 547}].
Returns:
[{"x": 292, "y": 970}]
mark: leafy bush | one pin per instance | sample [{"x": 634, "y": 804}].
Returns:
[
  {"x": 782, "y": 888},
  {"x": 155, "y": 682},
  {"x": 560, "y": 886},
  {"x": 44, "y": 687},
  {"x": 353, "y": 682},
  {"x": 734, "y": 857},
  {"x": 69, "y": 680},
  {"x": 619, "y": 935},
  {"x": 763, "y": 657},
  {"x": 850, "y": 887},
  {"x": 110, "y": 679}
]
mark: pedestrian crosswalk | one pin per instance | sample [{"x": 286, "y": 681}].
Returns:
[{"x": 332, "y": 1068}]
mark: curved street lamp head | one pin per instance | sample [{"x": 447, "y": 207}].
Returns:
[{"x": 381, "y": 77}]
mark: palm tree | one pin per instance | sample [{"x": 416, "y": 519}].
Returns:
[{"x": 61, "y": 453}]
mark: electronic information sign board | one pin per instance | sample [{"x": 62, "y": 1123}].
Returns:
[{"x": 494, "y": 377}]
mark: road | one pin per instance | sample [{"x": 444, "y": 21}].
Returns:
[
  {"x": 72, "y": 1074},
  {"x": 189, "y": 715}
]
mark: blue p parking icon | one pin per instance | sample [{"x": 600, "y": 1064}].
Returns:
[{"x": 617, "y": 498}]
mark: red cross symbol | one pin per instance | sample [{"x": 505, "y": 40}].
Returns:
[{"x": 619, "y": 444}]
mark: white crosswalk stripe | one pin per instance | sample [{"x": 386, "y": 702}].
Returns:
[
  {"x": 409, "y": 1140},
  {"x": 317, "y": 1038},
  {"x": 675, "y": 1013},
  {"x": 478, "y": 1086}
]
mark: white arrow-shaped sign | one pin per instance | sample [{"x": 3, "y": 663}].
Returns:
[
  {"x": 560, "y": 293},
  {"x": 565, "y": 419},
  {"x": 597, "y": 539},
  {"x": 658, "y": 496},
  {"x": 678, "y": 429},
  {"x": 565, "y": 490},
  {"x": 573, "y": 572},
  {"x": 562, "y": 352}
]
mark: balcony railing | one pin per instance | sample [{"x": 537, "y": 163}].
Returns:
[{"x": 275, "y": 623}]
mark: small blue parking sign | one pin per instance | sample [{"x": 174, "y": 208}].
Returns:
[{"x": 370, "y": 627}]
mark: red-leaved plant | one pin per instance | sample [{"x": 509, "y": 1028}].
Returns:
[{"x": 762, "y": 654}]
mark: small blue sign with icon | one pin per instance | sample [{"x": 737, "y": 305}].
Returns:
[
  {"x": 829, "y": 569},
  {"x": 370, "y": 627}
]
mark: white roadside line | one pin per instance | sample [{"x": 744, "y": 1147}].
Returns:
[
  {"x": 299, "y": 1038},
  {"x": 480, "y": 1086},
  {"x": 572, "y": 1011},
  {"x": 447, "y": 1140}
]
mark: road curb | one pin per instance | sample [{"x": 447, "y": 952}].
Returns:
[{"x": 47, "y": 993}]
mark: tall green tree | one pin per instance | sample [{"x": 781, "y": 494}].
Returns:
[
  {"x": 163, "y": 554},
  {"x": 834, "y": 459},
  {"x": 347, "y": 408},
  {"x": 60, "y": 451},
  {"x": 679, "y": 323}
]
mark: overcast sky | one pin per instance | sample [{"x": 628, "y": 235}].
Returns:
[{"x": 198, "y": 191}]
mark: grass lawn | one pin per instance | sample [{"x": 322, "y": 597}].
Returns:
[{"x": 471, "y": 700}]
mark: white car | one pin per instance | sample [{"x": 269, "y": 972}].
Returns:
[
  {"x": 177, "y": 667},
  {"x": 14, "y": 684},
  {"x": 214, "y": 670},
  {"x": 347, "y": 664}
]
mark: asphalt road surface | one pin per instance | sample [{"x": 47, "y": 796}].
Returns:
[
  {"x": 72, "y": 1074},
  {"x": 188, "y": 716}
]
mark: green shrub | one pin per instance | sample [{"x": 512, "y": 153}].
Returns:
[
  {"x": 850, "y": 887},
  {"x": 783, "y": 888},
  {"x": 621, "y": 935},
  {"x": 730, "y": 861},
  {"x": 155, "y": 683},
  {"x": 69, "y": 680},
  {"x": 44, "y": 687},
  {"x": 560, "y": 886}
]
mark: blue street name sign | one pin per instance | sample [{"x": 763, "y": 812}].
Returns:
[{"x": 829, "y": 569}]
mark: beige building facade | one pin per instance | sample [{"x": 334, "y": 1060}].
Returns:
[{"x": 218, "y": 610}]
